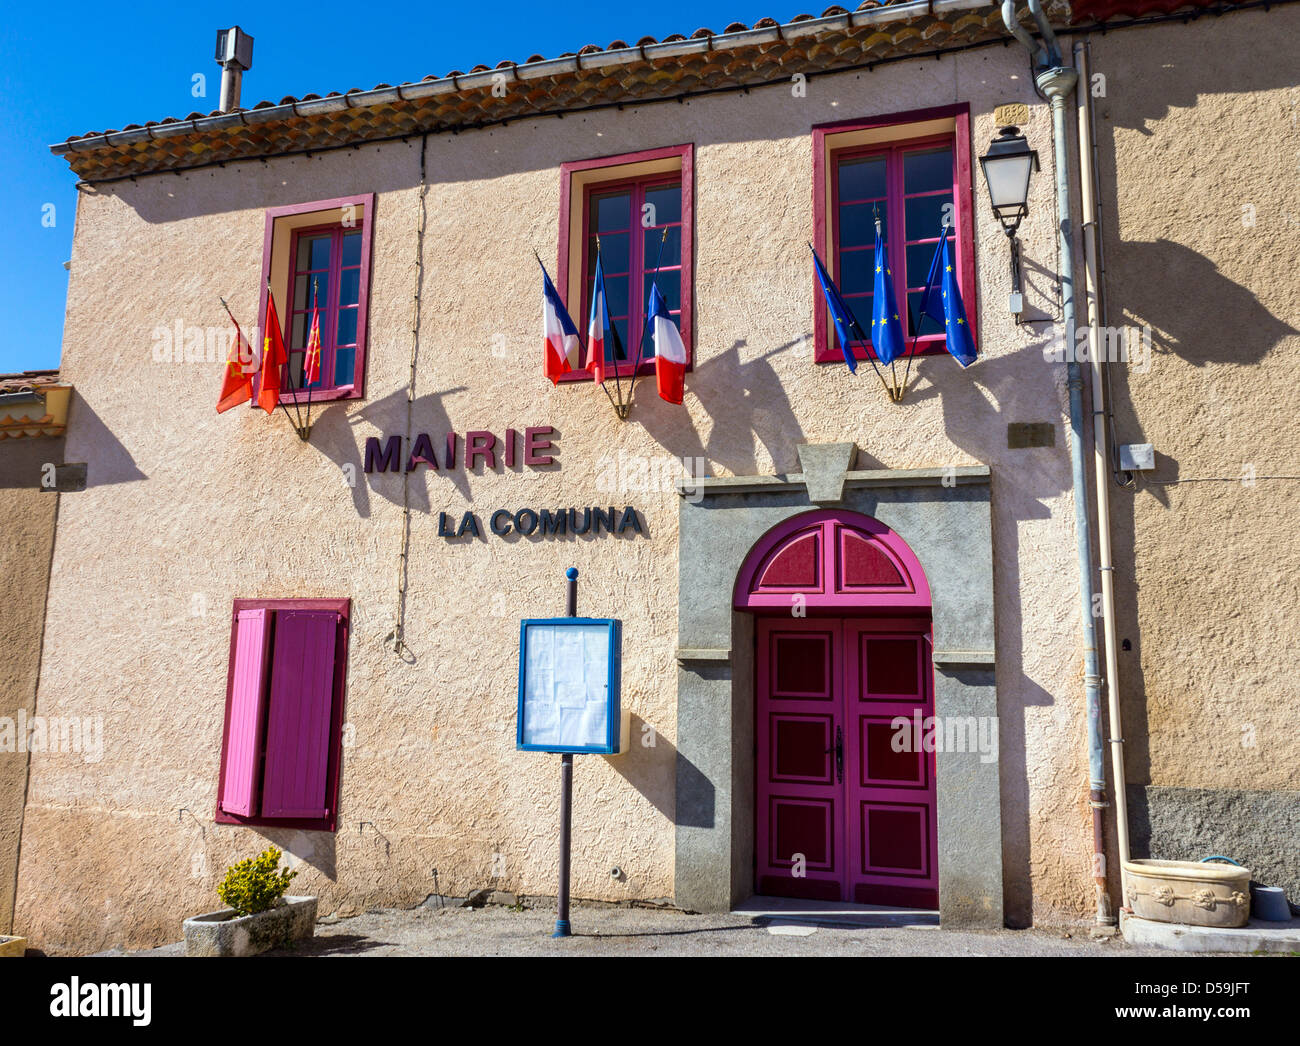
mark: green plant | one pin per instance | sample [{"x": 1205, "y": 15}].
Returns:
[{"x": 255, "y": 884}]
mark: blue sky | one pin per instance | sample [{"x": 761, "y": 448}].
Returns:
[{"x": 70, "y": 68}]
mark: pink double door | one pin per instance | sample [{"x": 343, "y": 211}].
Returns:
[{"x": 845, "y": 805}]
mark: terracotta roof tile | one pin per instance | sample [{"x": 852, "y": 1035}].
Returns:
[{"x": 741, "y": 56}]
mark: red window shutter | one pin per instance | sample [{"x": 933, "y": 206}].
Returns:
[
  {"x": 298, "y": 727},
  {"x": 244, "y": 724}
]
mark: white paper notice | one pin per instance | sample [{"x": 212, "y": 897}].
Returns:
[{"x": 566, "y": 686}]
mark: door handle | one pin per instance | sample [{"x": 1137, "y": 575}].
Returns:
[{"x": 838, "y": 749}]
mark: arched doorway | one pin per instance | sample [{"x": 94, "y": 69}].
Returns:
[{"x": 843, "y": 686}]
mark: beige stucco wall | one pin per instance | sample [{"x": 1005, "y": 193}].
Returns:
[
  {"x": 27, "y": 520},
  {"x": 1198, "y": 138},
  {"x": 187, "y": 511}
]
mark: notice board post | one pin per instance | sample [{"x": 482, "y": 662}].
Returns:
[{"x": 570, "y": 677}]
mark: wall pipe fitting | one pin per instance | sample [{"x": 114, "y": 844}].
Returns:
[
  {"x": 1093, "y": 274},
  {"x": 1057, "y": 82}
]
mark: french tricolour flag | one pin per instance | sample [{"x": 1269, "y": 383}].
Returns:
[
  {"x": 670, "y": 353},
  {"x": 560, "y": 331},
  {"x": 597, "y": 325}
]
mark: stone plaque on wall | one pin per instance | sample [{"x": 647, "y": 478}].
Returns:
[{"x": 1014, "y": 113}]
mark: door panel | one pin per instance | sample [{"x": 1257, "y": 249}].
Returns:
[
  {"x": 889, "y": 793},
  {"x": 834, "y": 793},
  {"x": 800, "y": 795}
]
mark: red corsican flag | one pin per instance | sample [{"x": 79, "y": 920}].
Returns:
[
  {"x": 237, "y": 383},
  {"x": 273, "y": 358},
  {"x": 311, "y": 367}
]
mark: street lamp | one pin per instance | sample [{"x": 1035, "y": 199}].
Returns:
[{"x": 1007, "y": 167}]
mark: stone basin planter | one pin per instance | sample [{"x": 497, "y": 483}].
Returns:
[
  {"x": 1188, "y": 892},
  {"x": 12, "y": 946},
  {"x": 222, "y": 933}
]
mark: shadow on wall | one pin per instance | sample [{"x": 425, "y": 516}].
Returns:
[
  {"x": 316, "y": 849},
  {"x": 1198, "y": 316},
  {"x": 747, "y": 393},
  {"x": 1195, "y": 312},
  {"x": 643, "y": 766},
  {"x": 334, "y": 437},
  {"x": 995, "y": 391},
  {"x": 109, "y": 462},
  {"x": 1191, "y": 63}
]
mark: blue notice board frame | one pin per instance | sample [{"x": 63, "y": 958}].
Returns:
[{"x": 613, "y": 683}]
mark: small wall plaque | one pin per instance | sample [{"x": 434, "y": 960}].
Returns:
[
  {"x": 1023, "y": 434},
  {"x": 1013, "y": 113}
]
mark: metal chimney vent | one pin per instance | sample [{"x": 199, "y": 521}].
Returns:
[{"x": 235, "y": 56}]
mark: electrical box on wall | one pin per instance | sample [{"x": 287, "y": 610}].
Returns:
[{"x": 1137, "y": 457}]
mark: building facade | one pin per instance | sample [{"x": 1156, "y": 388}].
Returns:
[{"x": 313, "y": 642}]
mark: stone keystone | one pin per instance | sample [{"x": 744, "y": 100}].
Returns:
[{"x": 824, "y": 466}]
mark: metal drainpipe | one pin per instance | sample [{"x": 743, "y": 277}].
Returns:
[
  {"x": 1057, "y": 81},
  {"x": 1101, "y": 453}
]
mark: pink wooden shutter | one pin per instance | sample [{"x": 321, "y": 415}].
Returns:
[
  {"x": 244, "y": 724},
  {"x": 298, "y": 728}
]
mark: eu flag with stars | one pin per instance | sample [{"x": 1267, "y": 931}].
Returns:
[
  {"x": 886, "y": 328},
  {"x": 839, "y": 309},
  {"x": 941, "y": 300}
]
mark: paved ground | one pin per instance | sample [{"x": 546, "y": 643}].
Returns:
[{"x": 639, "y": 931}]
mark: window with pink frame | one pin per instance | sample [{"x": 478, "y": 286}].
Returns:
[
  {"x": 327, "y": 269},
  {"x": 644, "y": 226},
  {"x": 326, "y": 279},
  {"x": 910, "y": 184}
]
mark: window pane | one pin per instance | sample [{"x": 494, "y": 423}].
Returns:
[
  {"x": 666, "y": 201},
  {"x": 858, "y": 224},
  {"x": 313, "y": 252},
  {"x": 351, "y": 248},
  {"x": 928, "y": 169},
  {"x": 857, "y": 272},
  {"x": 349, "y": 286},
  {"x": 294, "y": 376},
  {"x": 929, "y": 325},
  {"x": 862, "y": 179},
  {"x": 919, "y": 258},
  {"x": 611, "y": 349},
  {"x": 670, "y": 286},
  {"x": 613, "y": 253},
  {"x": 925, "y": 215},
  {"x": 298, "y": 335},
  {"x": 860, "y": 306},
  {"x": 611, "y": 211},
  {"x": 672, "y": 247},
  {"x": 347, "y": 331},
  {"x": 309, "y": 290},
  {"x": 344, "y": 365},
  {"x": 616, "y": 295}
]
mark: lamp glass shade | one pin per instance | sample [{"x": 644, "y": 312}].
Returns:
[{"x": 1008, "y": 181}]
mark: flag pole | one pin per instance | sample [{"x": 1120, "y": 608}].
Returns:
[
  {"x": 236, "y": 323},
  {"x": 862, "y": 336},
  {"x": 580, "y": 339},
  {"x": 239, "y": 337},
  {"x": 925, "y": 296},
  {"x": 296, "y": 411},
  {"x": 619, "y": 407},
  {"x": 315, "y": 292},
  {"x": 654, "y": 283},
  {"x": 894, "y": 395}
]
